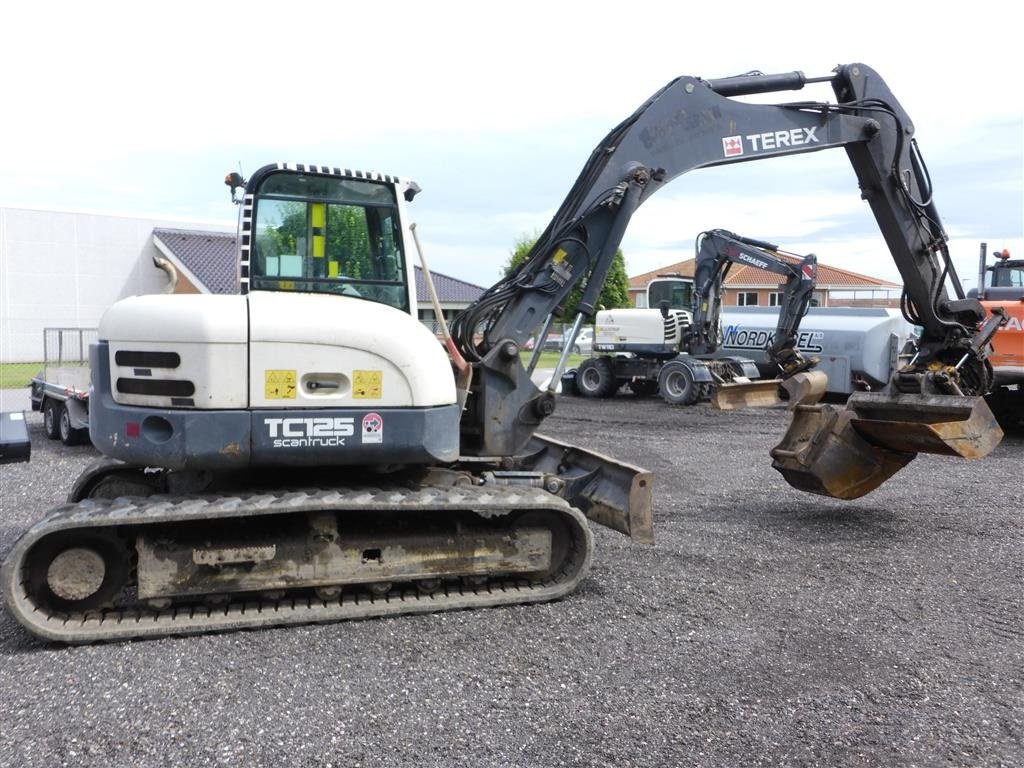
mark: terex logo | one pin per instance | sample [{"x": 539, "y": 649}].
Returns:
[
  {"x": 751, "y": 260},
  {"x": 309, "y": 432},
  {"x": 776, "y": 139}
]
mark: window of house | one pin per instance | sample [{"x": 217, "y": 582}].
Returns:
[
  {"x": 775, "y": 299},
  {"x": 746, "y": 299}
]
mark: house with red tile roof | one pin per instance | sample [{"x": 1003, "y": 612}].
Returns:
[{"x": 746, "y": 285}]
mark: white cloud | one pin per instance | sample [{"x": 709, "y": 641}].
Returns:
[{"x": 141, "y": 107}]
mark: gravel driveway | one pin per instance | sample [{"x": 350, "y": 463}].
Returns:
[{"x": 765, "y": 627}]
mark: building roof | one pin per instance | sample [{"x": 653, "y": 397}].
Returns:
[
  {"x": 746, "y": 276},
  {"x": 211, "y": 257},
  {"x": 449, "y": 289}
]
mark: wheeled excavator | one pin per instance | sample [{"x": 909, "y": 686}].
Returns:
[
  {"x": 667, "y": 350},
  {"x": 306, "y": 451},
  {"x": 717, "y": 252}
]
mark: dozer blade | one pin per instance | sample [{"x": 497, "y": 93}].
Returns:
[
  {"x": 763, "y": 393},
  {"x": 608, "y": 491},
  {"x": 942, "y": 424},
  {"x": 847, "y": 453}
]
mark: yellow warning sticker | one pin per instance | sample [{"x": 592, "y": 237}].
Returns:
[
  {"x": 559, "y": 256},
  {"x": 280, "y": 385},
  {"x": 367, "y": 385}
]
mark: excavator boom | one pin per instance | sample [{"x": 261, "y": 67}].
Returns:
[{"x": 694, "y": 123}]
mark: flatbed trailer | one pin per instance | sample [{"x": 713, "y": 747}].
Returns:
[{"x": 60, "y": 391}]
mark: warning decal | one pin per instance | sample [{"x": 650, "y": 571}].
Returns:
[
  {"x": 367, "y": 385},
  {"x": 280, "y": 385},
  {"x": 373, "y": 428}
]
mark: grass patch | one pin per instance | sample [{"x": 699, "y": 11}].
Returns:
[
  {"x": 550, "y": 359},
  {"x": 17, "y": 375}
]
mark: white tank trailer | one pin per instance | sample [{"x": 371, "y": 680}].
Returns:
[{"x": 859, "y": 347}]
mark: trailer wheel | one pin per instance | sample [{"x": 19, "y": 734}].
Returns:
[
  {"x": 595, "y": 378},
  {"x": 68, "y": 434},
  {"x": 52, "y": 410},
  {"x": 676, "y": 385}
]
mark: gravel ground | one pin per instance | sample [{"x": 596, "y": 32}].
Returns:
[{"x": 766, "y": 627}]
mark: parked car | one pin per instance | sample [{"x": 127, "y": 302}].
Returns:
[
  {"x": 584, "y": 342},
  {"x": 553, "y": 342},
  {"x": 583, "y": 345}
]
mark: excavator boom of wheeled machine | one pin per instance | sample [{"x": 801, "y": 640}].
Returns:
[{"x": 299, "y": 452}]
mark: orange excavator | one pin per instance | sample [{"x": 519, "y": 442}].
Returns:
[{"x": 1001, "y": 285}]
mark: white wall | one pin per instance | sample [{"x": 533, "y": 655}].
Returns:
[{"x": 64, "y": 268}]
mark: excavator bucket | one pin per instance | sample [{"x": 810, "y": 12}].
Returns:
[
  {"x": 942, "y": 424},
  {"x": 822, "y": 453},
  {"x": 847, "y": 453},
  {"x": 762, "y": 393},
  {"x": 806, "y": 387}
]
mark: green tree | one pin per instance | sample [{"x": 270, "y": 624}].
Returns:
[{"x": 614, "y": 294}]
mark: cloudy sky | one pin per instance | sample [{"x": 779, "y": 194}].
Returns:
[{"x": 141, "y": 108}]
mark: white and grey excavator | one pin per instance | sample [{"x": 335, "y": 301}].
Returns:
[
  {"x": 667, "y": 347},
  {"x": 307, "y": 451}
]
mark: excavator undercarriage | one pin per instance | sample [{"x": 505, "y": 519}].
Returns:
[{"x": 490, "y": 534}]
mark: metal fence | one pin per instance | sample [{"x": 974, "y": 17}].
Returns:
[{"x": 67, "y": 346}]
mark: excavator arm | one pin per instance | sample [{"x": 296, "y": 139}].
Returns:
[
  {"x": 694, "y": 123},
  {"x": 717, "y": 251}
]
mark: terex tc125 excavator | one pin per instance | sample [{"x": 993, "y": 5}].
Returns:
[{"x": 299, "y": 452}]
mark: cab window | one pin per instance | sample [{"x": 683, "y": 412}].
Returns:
[
  {"x": 328, "y": 235},
  {"x": 677, "y": 293}
]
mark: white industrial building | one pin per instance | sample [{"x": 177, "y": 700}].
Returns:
[{"x": 64, "y": 268}]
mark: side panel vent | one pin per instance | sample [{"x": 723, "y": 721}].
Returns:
[
  {"x": 131, "y": 359},
  {"x": 156, "y": 387}
]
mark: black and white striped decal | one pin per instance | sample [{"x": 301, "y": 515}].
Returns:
[
  {"x": 245, "y": 238},
  {"x": 244, "y": 245}
]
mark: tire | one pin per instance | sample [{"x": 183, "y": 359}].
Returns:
[
  {"x": 576, "y": 349},
  {"x": 52, "y": 410},
  {"x": 68, "y": 434},
  {"x": 595, "y": 378},
  {"x": 676, "y": 385}
]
